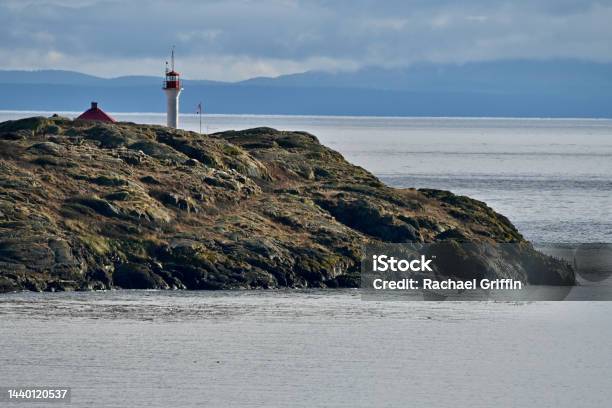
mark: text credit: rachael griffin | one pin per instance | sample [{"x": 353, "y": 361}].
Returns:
[{"x": 404, "y": 273}]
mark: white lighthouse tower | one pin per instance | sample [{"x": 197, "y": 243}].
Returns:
[{"x": 172, "y": 88}]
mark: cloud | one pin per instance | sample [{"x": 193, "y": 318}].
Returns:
[
  {"x": 236, "y": 39},
  {"x": 212, "y": 67}
]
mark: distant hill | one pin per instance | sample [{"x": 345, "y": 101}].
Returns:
[
  {"x": 510, "y": 76},
  {"x": 519, "y": 88}
]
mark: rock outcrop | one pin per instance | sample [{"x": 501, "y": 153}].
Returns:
[{"x": 87, "y": 205}]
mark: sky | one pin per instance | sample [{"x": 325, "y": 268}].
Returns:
[{"x": 231, "y": 40}]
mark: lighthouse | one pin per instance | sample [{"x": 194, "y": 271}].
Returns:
[{"x": 172, "y": 88}]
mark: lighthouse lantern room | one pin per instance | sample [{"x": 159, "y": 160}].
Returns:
[{"x": 172, "y": 88}]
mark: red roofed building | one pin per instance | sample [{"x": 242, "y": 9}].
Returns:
[{"x": 95, "y": 113}]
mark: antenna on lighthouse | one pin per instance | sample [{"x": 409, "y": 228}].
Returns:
[{"x": 172, "y": 58}]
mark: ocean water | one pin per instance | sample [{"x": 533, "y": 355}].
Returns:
[
  {"x": 552, "y": 178},
  {"x": 305, "y": 349}
]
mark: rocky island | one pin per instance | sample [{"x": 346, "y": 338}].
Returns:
[{"x": 90, "y": 205}]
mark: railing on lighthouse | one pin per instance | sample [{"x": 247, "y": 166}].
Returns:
[{"x": 172, "y": 80}]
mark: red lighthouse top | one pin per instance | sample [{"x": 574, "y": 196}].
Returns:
[
  {"x": 95, "y": 113},
  {"x": 172, "y": 80}
]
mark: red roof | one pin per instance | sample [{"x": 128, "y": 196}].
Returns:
[
  {"x": 95, "y": 113},
  {"x": 172, "y": 73}
]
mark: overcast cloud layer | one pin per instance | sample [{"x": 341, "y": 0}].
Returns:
[{"x": 238, "y": 39}]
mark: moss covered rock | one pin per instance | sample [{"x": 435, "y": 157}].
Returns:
[{"x": 88, "y": 206}]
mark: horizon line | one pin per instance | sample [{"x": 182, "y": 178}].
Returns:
[{"x": 392, "y": 117}]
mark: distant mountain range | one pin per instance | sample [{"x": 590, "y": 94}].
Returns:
[{"x": 512, "y": 88}]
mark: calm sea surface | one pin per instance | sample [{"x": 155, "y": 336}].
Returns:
[{"x": 552, "y": 178}]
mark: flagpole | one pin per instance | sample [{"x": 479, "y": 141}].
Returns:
[{"x": 200, "y": 113}]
